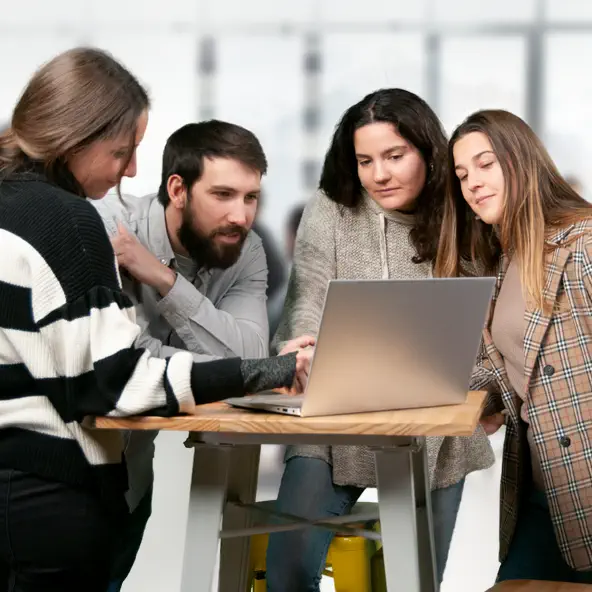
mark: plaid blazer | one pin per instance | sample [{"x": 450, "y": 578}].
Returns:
[{"x": 558, "y": 372}]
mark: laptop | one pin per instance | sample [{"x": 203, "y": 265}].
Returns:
[{"x": 389, "y": 344}]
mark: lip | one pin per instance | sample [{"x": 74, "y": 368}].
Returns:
[
  {"x": 230, "y": 238},
  {"x": 480, "y": 200},
  {"x": 387, "y": 190}
]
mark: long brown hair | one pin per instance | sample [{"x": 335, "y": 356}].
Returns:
[
  {"x": 81, "y": 96},
  {"x": 414, "y": 120},
  {"x": 537, "y": 201}
]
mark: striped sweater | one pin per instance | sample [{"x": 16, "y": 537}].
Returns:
[{"x": 67, "y": 335}]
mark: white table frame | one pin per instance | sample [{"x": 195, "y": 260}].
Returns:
[{"x": 222, "y": 496}]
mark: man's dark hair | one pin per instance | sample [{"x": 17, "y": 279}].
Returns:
[
  {"x": 413, "y": 119},
  {"x": 186, "y": 149}
]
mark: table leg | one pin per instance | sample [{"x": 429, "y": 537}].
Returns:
[
  {"x": 406, "y": 519},
  {"x": 242, "y": 486},
  {"x": 206, "y": 504}
]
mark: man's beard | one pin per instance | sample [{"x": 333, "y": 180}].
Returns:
[{"x": 204, "y": 249}]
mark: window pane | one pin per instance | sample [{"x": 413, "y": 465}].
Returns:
[
  {"x": 166, "y": 65},
  {"x": 140, "y": 12},
  {"x": 568, "y": 10},
  {"x": 42, "y": 14},
  {"x": 481, "y": 73},
  {"x": 32, "y": 52},
  {"x": 260, "y": 85},
  {"x": 355, "y": 65},
  {"x": 372, "y": 11},
  {"x": 240, "y": 12},
  {"x": 463, "y": 11},
  {"x": 567, "y": 114}
]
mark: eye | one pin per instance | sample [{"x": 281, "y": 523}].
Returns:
[
  {"x": 363, "y": 163},
  {"x": 223, "y": 194},
  {"x": 487, "y": 165},
  {"x": 251, "y": 197},
  {"x": 462, "y": 177},
  {"x": 120, "y": 154},
  {"x": 396, "y": 156}
]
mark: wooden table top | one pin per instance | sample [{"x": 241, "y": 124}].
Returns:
[
  {"x": 450, "y": 420},
  {"x": 534, "y": 586}
]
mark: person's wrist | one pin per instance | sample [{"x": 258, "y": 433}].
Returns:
[{"x": 166, "y": 281}]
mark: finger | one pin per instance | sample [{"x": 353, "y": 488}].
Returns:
[
  {"x": 305, "y": 341},
  {"x": 122, "y": 229}
]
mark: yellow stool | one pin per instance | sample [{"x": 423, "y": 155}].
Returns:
[{"x": 348, "y": 557}]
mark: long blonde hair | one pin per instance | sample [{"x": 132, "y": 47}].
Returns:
[
  {"x": 81, "y": 96},
  {"x": 537, "y": 201}
]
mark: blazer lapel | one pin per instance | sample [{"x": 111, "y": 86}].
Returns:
[{"x": 537, "y": 321}]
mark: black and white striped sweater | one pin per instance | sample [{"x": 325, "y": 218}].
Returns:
[{"x": 67, "y": 335}]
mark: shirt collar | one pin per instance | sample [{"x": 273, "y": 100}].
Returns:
[{"x": 158, "y": 237}]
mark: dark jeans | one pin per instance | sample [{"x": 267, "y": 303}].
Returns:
[
  {"x": 296, "y": 558},
  {"x": 129, "y": 542},
  {"x": 534, "y": 553},
  {"x": 53, "y": 538}
]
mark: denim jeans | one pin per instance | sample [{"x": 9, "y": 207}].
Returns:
[
  {"x": 534, "y": 553},
  {"x": 53, "y": 537},
  {"x": 296, "y": 558}
]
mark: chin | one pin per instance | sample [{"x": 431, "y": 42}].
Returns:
[
  {"x": 98, "y": 194},
  {"x": 394, "y": 202}
]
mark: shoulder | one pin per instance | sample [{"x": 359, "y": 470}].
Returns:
[
  {"x": 63, "y": 229},
  {"x": 129, "y": 210},
  {"x": 321, "y": 214},
  {"x": 252, "y": 258}
]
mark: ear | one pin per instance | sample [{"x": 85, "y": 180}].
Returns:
[{"x": 177, "y": 192}]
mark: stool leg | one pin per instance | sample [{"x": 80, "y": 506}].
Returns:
[{"x": 350, "y": 560}]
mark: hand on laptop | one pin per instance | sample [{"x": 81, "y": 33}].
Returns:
[
  {"x": 298, "y": 343},
  {"x": 303, "y": 359}
]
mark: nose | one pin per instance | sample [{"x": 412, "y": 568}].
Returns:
[
  {"x": 474, "y": 181},
  {"x": 131, "y": 169},
  {"x": 238, "y": 213},
  {"x": 380, "y": 172}
]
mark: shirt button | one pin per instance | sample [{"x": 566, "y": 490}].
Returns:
[
  {"x": 548, "y": 370},
  {"x": 565, "y": 441},
  {"x": 164, "y": 261}
]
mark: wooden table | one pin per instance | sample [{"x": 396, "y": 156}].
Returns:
[
  {"x": 224, "y": 481},
  {"x": 535, "y": 586}
]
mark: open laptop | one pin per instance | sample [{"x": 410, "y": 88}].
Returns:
[{"x": 389, "y": 344}]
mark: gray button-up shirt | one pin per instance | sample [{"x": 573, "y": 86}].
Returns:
[{"x": 218, "y": 313}]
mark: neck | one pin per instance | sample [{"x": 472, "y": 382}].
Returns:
[{"x": 172, "y": 218}]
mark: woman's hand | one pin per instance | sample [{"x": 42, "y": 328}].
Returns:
[
  {"x": 492, "y": 423},
  {"x": 297, "y": 344},
  {"x": 303, "y": 361}
]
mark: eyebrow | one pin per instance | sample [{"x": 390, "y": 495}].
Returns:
[
  {"x": 476, "y": 157},
  {"x": 391, "y": 149},
  {"x": 230, "y": 189}
]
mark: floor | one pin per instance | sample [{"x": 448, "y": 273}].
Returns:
[{"x": 472, "y": 563}]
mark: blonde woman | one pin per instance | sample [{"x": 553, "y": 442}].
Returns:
[
  {"x": 67, "y": 330},
  {"x": 508, "y": 210}
]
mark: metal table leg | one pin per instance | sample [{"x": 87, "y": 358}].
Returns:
[
  {"x": 206, "y": 504},
  {"x": 241, "y": 486},
  {"x": 406, "y": 518}
]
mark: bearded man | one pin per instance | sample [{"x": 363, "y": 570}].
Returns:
[{"x": 194, "y": 269}]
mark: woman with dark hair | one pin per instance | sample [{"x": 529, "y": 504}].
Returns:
[
  {"x": 509, "y": 212},
  {"x": 67, "y": 330},
  {"x": 377, "y": 215}
]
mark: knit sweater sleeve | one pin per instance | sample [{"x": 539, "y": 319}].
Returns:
[
  {"x": 313, "y": 266},
  {"x": 87, "y": 331}
]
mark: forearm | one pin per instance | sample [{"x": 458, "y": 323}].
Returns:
[
  {"x": 241, "y": 330},
  {"x": 210, "y": 385}
]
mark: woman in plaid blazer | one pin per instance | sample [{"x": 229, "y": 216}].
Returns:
[{"x": 510, "y": 212}]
